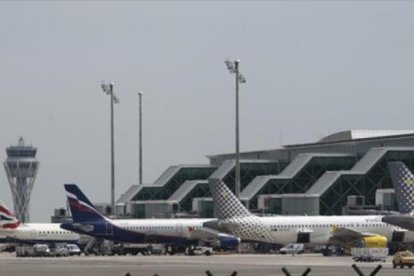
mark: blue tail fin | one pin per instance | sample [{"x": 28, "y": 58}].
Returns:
[
  {"x": 403, "y": 181},
  {"x": 81, "y": 208}
]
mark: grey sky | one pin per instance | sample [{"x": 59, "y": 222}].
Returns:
[{"x": 312, "y": 68}]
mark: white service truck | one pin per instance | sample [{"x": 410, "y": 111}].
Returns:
[{"x": 37, "y": 250}]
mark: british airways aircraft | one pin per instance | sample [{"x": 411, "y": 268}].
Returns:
[
  {"x": 87, "y": 220},
  {"x": 32, "y": 233},
  {"x": 234, "y": 218}
]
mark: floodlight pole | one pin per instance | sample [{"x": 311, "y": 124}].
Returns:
[
  {"x": 140, "y": 137},
  {"x": 111, "y": 87},
  {"x": 109, "y": 90},
  {"x": 237, "y": 134},
  {"x": 233, "y": 68}
]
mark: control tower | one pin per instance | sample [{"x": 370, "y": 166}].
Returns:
[{"x": 21, "y": 168}]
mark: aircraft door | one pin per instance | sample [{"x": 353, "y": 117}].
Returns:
[
  {"x": 109, "y": 229},
  {"x": 34, "y": 235},
  {"x": 303, "y": 237},
  {"x": 398, "y": 236},
  {"x": 180, "y": 229}
]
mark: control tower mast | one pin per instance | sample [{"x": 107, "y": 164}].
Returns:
[{"x": 21, "y": 168}]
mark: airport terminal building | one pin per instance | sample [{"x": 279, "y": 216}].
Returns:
[{"x": 343, "y": 173}]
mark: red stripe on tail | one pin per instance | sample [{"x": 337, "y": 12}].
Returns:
[
  {"x": 5, "y": 210},
  {"x": 11, "y": 225}
]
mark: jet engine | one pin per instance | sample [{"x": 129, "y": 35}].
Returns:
[{"x": 228, "y": 242}]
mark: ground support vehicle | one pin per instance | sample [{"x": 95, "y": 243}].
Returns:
[
  {"x": 369, "y": 254},
  {"x": 131, "y": 249},
  {"x": 59, "y": 252},
  {"x": 403, "y": 258},
  {"x": 73, "y": 249},
  {"x": 37, "y": 250},
  {"x": 199, "y": 250},
  {"x": 292, "y": 248}
]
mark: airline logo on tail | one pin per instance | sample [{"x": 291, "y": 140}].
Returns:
[
  {"x": 81, "y": 208},
  {"x": 403, "y": 181},
  {"x": 78, "y": 205},
  {"x": 7, "y": 220}
]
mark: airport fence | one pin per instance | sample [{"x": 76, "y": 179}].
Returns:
[{"x": 305, "y": 273}]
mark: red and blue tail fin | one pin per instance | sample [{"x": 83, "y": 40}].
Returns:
[
  {"x": 7, "y": 219},
  {"x": 80, "y": 206}
]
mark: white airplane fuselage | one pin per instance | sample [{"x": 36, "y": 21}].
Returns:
[
  {"x": 165, "y": 227},
  {"x": 40, "y": 233},
  {"x": 285, "y": 229},
  {"x": 147, "y": 230}
]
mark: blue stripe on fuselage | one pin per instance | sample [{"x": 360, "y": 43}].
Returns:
[{"x": 119, "y": 234}]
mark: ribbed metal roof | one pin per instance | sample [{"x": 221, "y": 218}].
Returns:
[
  {"x": 129, "y": 194},
  {"x": 160, "y": 182},
  {"x": 370, "y": 159},
  {"x": 354, "y": 134},
  {"x": 186, "y": 188},
  {"x": 224, "y": 169},
  {"x": 228, "y": 166},
  {"x": 173, "y": 170}
]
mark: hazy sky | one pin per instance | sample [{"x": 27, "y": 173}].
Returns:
[{"x": 312, "y": 68}]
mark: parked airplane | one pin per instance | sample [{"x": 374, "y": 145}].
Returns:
[
  {"x": 87, "y": 220},
  {"x": 234, "y": 218},
  {"x": 31, "y": 233},
  {"x": 403, "y": 181}
]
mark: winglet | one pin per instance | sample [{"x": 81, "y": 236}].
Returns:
[
  {"x": 80, "y": 206},
  {"x": 7, "y": 219},
  {"x": 226, "y": 204},
  {"x": 403, "y": 181}
]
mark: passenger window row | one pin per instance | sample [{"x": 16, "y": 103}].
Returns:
[{"x": 287, "y": 226}]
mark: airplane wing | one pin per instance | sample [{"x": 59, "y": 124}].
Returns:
[
  {"x": 215, "y": 237},
  {"x": 206, "y": 234},
  {"x": 344, "y": 234},
  {"x": 405, "y": 221},
  {"x": 220, "y": 226}
]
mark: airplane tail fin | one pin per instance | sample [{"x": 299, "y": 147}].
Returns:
[
  {"x": 80, "y": 206},
  {"x": 7, "y": 220},
  {"x": 226, "y": 204},
  {"x": 403, "y": 181}
]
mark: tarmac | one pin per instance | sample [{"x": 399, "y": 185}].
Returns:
[{"x": 223, "y": 265}]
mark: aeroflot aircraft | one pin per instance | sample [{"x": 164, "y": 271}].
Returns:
[
  {"x": 87, "y": 220},
  {"x": 403, "y": 181},
  {"x": 16, "y": 231},
  {"x": 237, "y": 220}
]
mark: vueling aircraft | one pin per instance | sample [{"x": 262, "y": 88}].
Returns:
[
  {"x": 403, "y": 181},
  {"x": 87, "y": 220},
  {"x": 234, "y": 218}
]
